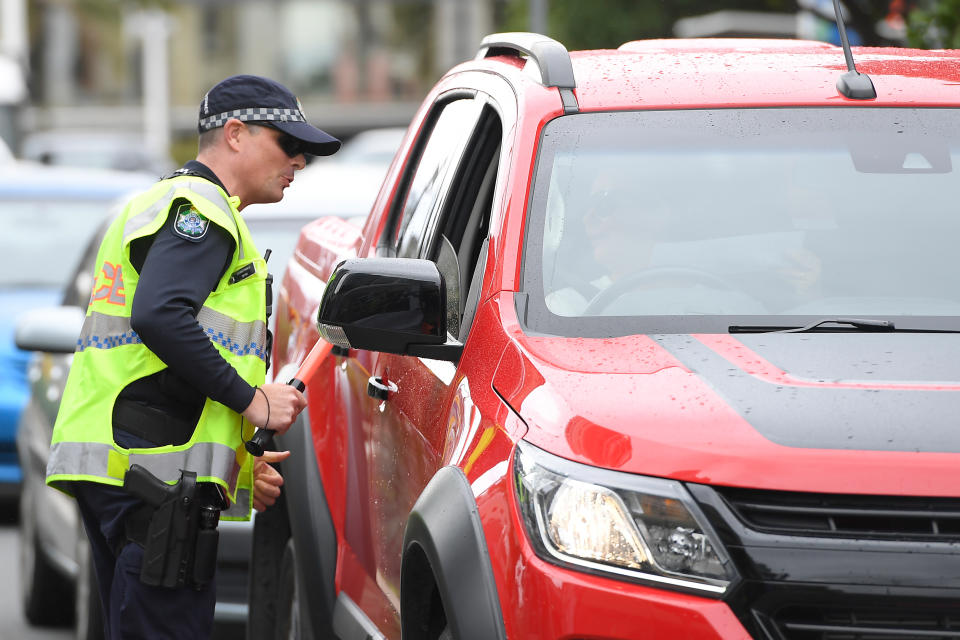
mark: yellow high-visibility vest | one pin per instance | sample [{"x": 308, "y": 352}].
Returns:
[{"x": 110, "y": 355}]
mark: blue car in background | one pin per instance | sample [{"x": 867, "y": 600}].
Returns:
[{"x": 48, "y": 214}]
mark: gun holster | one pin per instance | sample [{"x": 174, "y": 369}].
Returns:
[{"x": 177, "y": 529}]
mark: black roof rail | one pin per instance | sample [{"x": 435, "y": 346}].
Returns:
[
  {"x": 551, "y": 57},
  {"x": 852, "y": 84}
]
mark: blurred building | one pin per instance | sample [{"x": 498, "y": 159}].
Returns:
[
  {"x": 354, "y": 64},
  {"x": 143, "y": 66},
  {"x": 13, "y": 71}
]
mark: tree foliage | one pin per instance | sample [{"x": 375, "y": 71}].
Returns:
[
  {"x": 934, "y": 25},
  {"x": 111, "y": 10},
  {"x": 609, "y": 23}
]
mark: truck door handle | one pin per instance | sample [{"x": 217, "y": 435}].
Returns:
[{"x": 377, "y": 388}]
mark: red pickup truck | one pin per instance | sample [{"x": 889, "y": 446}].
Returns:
[{"x": 661, "y": 342}]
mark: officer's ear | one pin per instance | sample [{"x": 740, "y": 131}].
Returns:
[{"x": 233, "y": 131}]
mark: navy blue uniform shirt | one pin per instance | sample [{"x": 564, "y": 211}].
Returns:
[{"x": 177, "y": 273}]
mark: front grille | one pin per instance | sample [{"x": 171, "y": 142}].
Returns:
[
  {"x": 847, "y": 516},
  {"x": 809, "y": 623},
  {"x": 816, "y": 566}
]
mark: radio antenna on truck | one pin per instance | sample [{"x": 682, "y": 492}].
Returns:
[{"x": 852, "y": 84}]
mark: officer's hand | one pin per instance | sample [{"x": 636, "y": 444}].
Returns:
[
  {"x": 267, "y": 480},
  {"x": 281, "y": 402}
]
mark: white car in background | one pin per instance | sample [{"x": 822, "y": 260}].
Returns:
[
  {"x": 343, "y": 185},
  {"x": 6, "y": 155},
  {"x": 94, "y": 149}
]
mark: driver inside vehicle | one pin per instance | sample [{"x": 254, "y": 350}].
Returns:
[
  {"x": 618, "y": 231},
  {"x": 626, "y": 250},
  {"x": 624, "y": 266}
]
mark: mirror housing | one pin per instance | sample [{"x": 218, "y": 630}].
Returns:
[
  {"x": 393, "y": 305},
  {"x": 49, "y": 329}
]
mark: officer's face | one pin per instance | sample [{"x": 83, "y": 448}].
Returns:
[{"x": 270, "y": 167}]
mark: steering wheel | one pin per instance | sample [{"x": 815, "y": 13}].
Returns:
[{"x": 635, "y": 280}]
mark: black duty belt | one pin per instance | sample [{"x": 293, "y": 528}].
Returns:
[{"x": 153, "y": 425}]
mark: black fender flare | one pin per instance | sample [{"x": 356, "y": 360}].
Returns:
[
  {"x": 311, "y": 526},
  {"x": 445, "y": 525}
]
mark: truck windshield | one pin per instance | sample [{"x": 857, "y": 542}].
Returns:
[{"x": 693, "y": 220}]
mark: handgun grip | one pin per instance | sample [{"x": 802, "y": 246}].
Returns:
[{"x": 144, "y": 485}]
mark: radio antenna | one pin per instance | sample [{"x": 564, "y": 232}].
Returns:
[{"x": 852, "y": 84}]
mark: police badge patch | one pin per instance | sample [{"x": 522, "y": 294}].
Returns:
[{"x": 189, "y": 223}]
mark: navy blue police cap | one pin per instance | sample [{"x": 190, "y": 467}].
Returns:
[{"x": 259, "y": 100}]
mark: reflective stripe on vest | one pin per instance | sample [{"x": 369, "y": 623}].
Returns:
[
  {"x": 102, "y": 331},
  {"x": 141, "y": 219},
  {"x": 201, "y": 187},
  {"x": 78, "y": 458},
  {"x": 239, "y": 338}
]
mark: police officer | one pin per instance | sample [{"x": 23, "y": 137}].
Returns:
[{"x": 168, "y": 376}]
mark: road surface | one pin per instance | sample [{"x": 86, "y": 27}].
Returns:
[{"x": 13, "y": 626}]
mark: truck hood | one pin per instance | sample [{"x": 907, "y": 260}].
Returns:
[{"x": 826, "y": 412}]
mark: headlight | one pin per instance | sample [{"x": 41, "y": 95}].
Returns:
[{"x": 635, "y": 527}]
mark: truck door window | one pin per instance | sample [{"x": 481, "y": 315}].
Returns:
[
  {"x": 444, "y": 146},
  {"x": 464, "y": 216}
]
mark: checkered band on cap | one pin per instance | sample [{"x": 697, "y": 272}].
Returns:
[{"x": 252, "y": 114}]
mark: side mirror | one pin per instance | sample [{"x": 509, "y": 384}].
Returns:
[
  {"x": 394, "y": 305},
  {"x": 50, "y": 329}
]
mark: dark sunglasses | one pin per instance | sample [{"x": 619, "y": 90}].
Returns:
[{"x": 291, "y": 146}]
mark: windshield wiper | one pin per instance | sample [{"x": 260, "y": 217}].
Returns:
[{"x": 863, "y": 324}]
